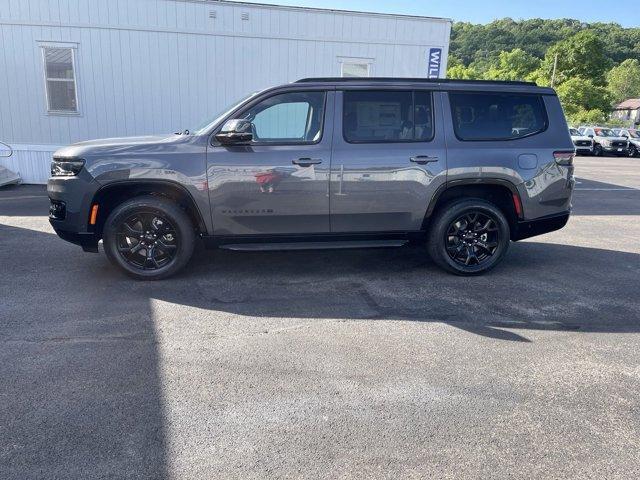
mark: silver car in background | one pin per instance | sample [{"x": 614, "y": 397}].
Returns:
[
  {"x": 606, "y": 141},
  {"x": 582, "y": 143},
  {"x": 633, "y": 137}
]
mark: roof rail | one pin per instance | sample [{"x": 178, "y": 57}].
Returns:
[{"x": 411, "y": 80}]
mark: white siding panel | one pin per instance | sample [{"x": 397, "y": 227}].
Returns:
[
  {"x": 153, "y": 66},
  {"x": 31, "y": 162}
]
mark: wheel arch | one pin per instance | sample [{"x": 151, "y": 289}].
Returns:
[
  {"x": 113, "y": 194},
  {"x": 501, "y": 193}
]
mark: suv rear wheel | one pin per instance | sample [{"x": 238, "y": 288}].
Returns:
[
  {"x": 150, "y": 238},
  {"x": 468, "y": 237}
]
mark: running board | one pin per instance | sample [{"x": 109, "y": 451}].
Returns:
[{"x": 269, "y": 247}]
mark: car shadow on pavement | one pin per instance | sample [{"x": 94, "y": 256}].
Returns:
[
  {"x": 81, "y": 385},
  {"x": 539, "y": 286}
]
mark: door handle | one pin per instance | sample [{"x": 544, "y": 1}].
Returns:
[
  {"x": 305, "y": 162},
  {"x": 423, "y": 159}
]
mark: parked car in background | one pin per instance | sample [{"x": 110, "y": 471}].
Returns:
[
  {"x": 329, "y": 163},
  {"x": 583, "y": 144},
  {"x": 633, "y": 137},
  {"x": 606, "y": 141}
]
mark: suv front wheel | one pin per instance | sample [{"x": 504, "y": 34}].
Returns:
[
  {"x": 149, "y": 237},
  {"x": 468, "y": 237},
  {"x": 597, "y": 150}
]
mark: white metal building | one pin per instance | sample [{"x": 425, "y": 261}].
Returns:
[{"x": 72, "y": 70}]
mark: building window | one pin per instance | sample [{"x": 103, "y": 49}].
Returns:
[
  {"x": 60, "y": 80},
  {"x": 355, "y": 69},
  {"x": 355, "y": 66}
]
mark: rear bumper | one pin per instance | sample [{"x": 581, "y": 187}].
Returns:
[{"x": 539, "y": 226}]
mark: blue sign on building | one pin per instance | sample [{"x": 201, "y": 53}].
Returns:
[{"x": 435, "y": 58}]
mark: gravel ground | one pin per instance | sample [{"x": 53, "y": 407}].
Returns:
[{"x": 327, "y": 364}]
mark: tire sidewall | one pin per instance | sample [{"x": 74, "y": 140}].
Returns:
[
  {"x": 597, "y": 150},
  {"x": 454, "y": 211},
  {"x": 164, "y": 208}
]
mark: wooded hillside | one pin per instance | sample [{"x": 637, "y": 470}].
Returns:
[{"x": 598, "y": 64}]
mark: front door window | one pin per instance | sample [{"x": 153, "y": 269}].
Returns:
[{"x": 289, "y": 118}]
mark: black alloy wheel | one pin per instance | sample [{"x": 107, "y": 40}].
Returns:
[
  {"x": 468, "y": 236},
  {"x": 149, "y": 237},
  {"x": 147, "y": 241},
  {"x": 472, "y": 238},
  {"x": 632, "y": 151}
]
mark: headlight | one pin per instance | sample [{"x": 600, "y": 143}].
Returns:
[{"x": 66, "y": 167}]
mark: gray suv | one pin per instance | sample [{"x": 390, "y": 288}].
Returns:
[{"x": 466, "y": 166}]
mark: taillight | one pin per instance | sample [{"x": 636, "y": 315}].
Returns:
[
  {"x": 517, "y": 205},
  {"x": 564, "y": 157}
]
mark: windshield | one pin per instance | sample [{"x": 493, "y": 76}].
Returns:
[
  {"x": 574, "y": 132},
  {"x": 605, "y": 132},
  {"x": 204, "y": 126}
]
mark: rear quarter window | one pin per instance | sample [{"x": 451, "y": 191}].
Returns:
[{"x": 495, "y": 116}]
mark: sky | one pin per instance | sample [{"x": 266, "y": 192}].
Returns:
[{"x": 484, "y": 11}]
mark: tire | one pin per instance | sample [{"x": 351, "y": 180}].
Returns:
[
  {"x": 597, "y": 150},
  {"x": 632, "y": 151},
  {"x": 447, "y": 237},
  {"x": 149, "y": 238}
]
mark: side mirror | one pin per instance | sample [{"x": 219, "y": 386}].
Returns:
[
  {"x": 590, "y": 136},
  {"x": 235, "y": 132},
  {"x": 625, "y": 135},
  {"x": 5, "y": 150}
]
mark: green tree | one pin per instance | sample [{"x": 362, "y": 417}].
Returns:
[
  {"x": 514, "y": 65},
  {"x": 471, "y": 42},
  {"x": 581, "y": 94},
  {"x": 583, "y": 116},
  {"x": 581, "y": 55},
  {"x": 457, "y": 70},
  {"x": 624, "y": 80}
]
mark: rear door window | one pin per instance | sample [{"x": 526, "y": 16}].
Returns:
[
  {"x": 391, "y": 116},
  {"x": 493, "y": 116}
]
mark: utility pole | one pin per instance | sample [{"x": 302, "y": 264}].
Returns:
[{"x": 555, "y": 66}]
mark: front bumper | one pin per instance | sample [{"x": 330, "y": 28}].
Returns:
[
  {"x": 583, "y": 146},
  {"x": 581, "y": 149},
  {"x": 615, "y": 150},
  {"x": 538, "y": 226},
  {"x": 70, "y": 220}
]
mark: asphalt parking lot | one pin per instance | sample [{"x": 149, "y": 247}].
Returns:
[{"x": 327, "y": 364}]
